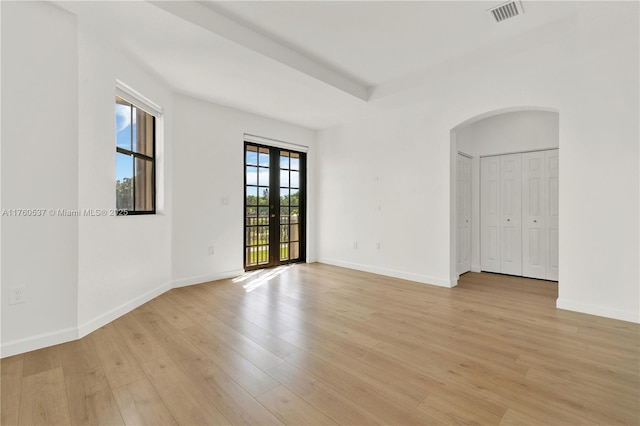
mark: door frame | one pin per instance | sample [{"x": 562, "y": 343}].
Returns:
[
  {"x": 470, "y": 221},
  {"x": 275, "y": 147}
]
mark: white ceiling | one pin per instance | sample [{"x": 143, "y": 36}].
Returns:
[
  {"x": 312, "y": 63},
  {"x": 380, "y": 41}
]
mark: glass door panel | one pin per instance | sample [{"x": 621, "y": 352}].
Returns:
[
  {"x": 257, "y": 221},
  {"x": 289, "y": 206}
]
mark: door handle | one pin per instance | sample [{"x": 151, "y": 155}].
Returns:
[
  {"x": 273, "y": 215},
  {"x": 508, "y": 220},
  {"x": 535, "y": 221}
]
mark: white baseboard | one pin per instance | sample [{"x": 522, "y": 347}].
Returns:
[
  {"x": 61, "y": 336},
  {"x": 66, "y": 335},
  {"x": 115, "y": 313},
  {"x": 419, "y": 278},
  {"x": 601, "y": 311},
  {"x": 39, "y": 341},
  {"x": 184, "y": 282},
  {"x": 475, "y": 268}
]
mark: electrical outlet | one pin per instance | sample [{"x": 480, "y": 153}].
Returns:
[
  {"x": 212, "y": 251},
  {"x": 355, "y": 244},
  {"x": 16, "y": 295},
  {"x": 378, "y": 246}
]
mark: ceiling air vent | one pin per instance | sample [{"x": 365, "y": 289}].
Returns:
[{"x": 506, "y": 11}]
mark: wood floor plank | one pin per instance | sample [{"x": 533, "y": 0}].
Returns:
[
  {"x": 322, "y": 397},
  {"x": 236, "y": 404},
  {"x": 139, "y": 341},
  {"x": 44, "y": 399},
  {"x": 174, "y": 343},
  {"x": 310, "y": 339},
  {"x": 386, "y": 382},
  {"x": 79, "y": 356},
  {"x": 371, "y": 398},
  {"x": 185, "y": 403},
  {"x": 330, "y": 323},
  {"x": 588, "y": 373},
  {"x": 459, "y": 409},
  {"x": 250, "y": 377},
  {"x": 140, "y": 404},
  {"x": 181, "y": 345},
  {"x": 195, "y": 308},
  {"x": 291, "y": 409},
  {"x": 90, "y": 399},
  {"x": 501, "y": 390},
  {"x": 42, "y": 360},
  {"x": 274, "y": 322},
  {"x": 169, "y": 310},
  {"x": 227, "y": 336},
  {"x": 119, "y": 365},
  {"x": 595, "y": 399},
  {"x": 11, "y": 370}
]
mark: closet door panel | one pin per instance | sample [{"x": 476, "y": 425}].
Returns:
[
  {"x": 534, "y": 214},
  {"x": 510, "y": 214},
  {"x": 490, "y": 214}
]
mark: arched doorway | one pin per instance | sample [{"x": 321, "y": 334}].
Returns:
[{"x": 503, "y": 131}]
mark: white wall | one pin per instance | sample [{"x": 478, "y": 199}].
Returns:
[
  {"x": 125, "y": 260},
  {"x": 384, "y": 180},
  {"x": 58, "y": 152},
  {"x": 39, "y": 171},
  {"x": 208, "y": 162},
  {"x": 590, "y": 76},
  {"x": 500, "y": 134}
]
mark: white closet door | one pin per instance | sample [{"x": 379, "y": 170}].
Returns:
[
  {"x": 490, "y": 214},
  {"x": 551, "y": 163},
  {"x": 511, "y": 214},
  {"x": 463, "y": 207},
  {"x": 534, "y": 215}
]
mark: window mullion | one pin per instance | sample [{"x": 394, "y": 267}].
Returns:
[
  {"x": 142, "y": 156},
  {"x": 124, "y": 151}
]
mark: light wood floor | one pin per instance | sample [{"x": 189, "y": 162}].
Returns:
[{"x": 318, "y": 344}]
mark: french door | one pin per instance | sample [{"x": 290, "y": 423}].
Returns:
[{"x": 274, "y": 207}]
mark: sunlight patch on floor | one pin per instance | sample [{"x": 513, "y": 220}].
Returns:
[{"x": 254, "y": 279}]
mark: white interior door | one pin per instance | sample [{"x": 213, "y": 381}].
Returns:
[
  {"x": 551, "y": 170},
  {"x": 511, "y": 214},
  {"x": 534, "y": 215},
  {"x": 490, "y": 214},
  {"x": 463, "y": 208}
]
